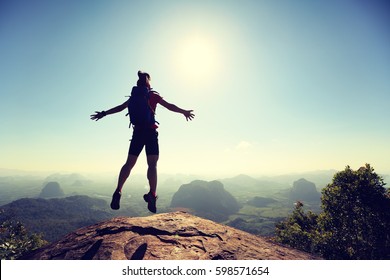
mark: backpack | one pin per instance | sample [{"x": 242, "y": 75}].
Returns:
[{"x": 140, "y": 112}]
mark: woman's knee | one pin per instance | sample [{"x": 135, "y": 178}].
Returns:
[{"x": 131, "y": 160}]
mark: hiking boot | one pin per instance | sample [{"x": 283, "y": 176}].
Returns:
[
  {"x": 150, "y": 199},
  {"x": 116, "y": 197}
]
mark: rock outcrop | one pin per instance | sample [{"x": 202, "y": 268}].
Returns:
[{"x": 168, "y": 236}]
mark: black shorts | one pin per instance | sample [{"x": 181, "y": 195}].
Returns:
[{"x": 144, "y": 137}]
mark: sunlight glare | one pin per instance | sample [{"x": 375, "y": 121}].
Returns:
[{"x": 196, "y": 59}]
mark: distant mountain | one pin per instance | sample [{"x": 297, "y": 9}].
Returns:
[
  {"x": 52, "y": 190},
  {"x": 207, "y": 199},
  {"x": 304, "y": 190},
  {"x": 57, "y": 216}
]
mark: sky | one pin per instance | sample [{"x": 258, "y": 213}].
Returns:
[{"x": 276, "y": 86}]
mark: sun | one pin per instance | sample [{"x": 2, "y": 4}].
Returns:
[{"x": 196, "y": 59}]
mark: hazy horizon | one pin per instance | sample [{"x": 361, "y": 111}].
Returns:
[
  {"x": 276, "y": 86},
  {"x": 4, "y": 172}
]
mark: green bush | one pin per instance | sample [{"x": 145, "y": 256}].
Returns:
[{"x": 15, "y": 240}]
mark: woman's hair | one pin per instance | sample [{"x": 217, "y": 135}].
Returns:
[{"x": 143, "y": 79}]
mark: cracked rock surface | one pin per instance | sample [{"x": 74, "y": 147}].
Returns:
[{"x": 168, "y": 236}]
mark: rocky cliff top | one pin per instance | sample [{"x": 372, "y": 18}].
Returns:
[{"x": 167, "y": 236}]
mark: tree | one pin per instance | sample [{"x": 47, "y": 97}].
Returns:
[
  {"x": 15, "y": 240},
  {"x": 299, "y": 229},
  {"x": 356, "y": 216},
  {"x": 354, "y": 224}
]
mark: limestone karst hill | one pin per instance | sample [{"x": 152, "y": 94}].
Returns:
[
  {"x": 167, "y": 236},
  {"x": 304, "y": 190},
  {"x": 52, "y": 190}
]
